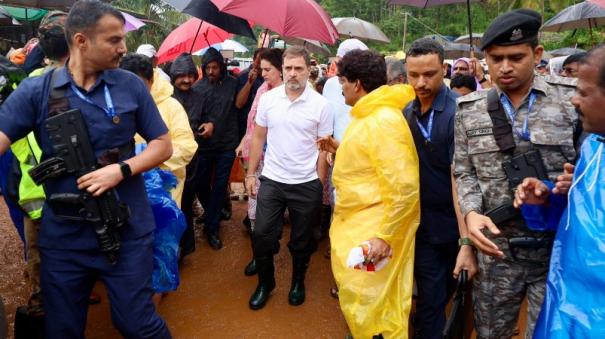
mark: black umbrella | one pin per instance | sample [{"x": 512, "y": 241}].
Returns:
[
  {"x": 565, "y": 51},
  {"x": 207, "y": 11},
  {"x": 582, "y": 15},
  {"x": 456, "y": 50}
]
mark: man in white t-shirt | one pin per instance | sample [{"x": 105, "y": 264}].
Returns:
[{"x": 290, "y": 118}]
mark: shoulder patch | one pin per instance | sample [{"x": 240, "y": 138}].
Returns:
[
  {"x": 559, "y": 80},
  {"x": 474, "y": 96}
]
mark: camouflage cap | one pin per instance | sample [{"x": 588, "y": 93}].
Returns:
[
  {"x": 512, "y": 28},
  {"x": 51, "y": 19}
]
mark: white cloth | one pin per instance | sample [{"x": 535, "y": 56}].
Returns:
[
  {"x": 349, "y": 45},
  {"x": 342, "y": 117},
  {"x": 147, "y": 50},
  {"x": 292, "y": 129}
]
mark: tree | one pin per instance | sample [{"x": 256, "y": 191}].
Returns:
[
  {"x": 162, "y": 19},
  {"x": 448, "y": 20}
]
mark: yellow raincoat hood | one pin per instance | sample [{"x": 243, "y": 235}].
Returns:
[
  {"x": 377, "y": 195},
  {"x": 183, "y": 143},
  {"x": 161, "y": 89}
]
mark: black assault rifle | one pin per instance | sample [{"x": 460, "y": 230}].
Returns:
[{"x": 75, "y": 156}]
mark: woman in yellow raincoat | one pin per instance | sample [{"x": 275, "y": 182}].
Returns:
[{"x": 377, "y": 200}]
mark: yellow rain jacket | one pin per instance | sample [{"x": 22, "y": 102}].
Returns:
[
  {"x": 377, "y": 195},
  {"x": 184, "y": 145}
]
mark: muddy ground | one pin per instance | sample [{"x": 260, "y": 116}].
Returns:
[{"x": 212, "y": 300}]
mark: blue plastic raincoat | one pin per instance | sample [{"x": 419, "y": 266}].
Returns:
[
  {"x": 574, "y": 305},
  {"x": 170, "y": 224}
]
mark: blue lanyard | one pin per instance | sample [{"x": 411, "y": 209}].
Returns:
[
  {"x": 109, "y": 111},
  {"x": 426, "y": 132},
  {"x": 508, "y": 107}
]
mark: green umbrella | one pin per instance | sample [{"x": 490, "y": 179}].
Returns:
[{"x": 29, "y": 14}]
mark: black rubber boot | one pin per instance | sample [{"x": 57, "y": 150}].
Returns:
[
  {"x": 28, "y": 326},
  {"x": 266, "y": 282},
  {"x": 297, "y": 291},
  {"x": 227, "y": 210},
  {"x": 251, "y": 268}
]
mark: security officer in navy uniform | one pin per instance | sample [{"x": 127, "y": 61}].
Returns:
[
  {"x": 525, "y": 124},
  {"x": 438, "y": 252},
  {"x": 115, "y": 105}
]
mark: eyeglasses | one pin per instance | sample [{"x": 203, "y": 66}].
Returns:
[{"x": 460, "y": 68}]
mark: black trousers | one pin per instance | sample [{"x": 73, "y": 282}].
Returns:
[
  {"x": 304, "y": 206},
  {"x": 433, "y": 269},
  {"x": 188, "y": 238}
]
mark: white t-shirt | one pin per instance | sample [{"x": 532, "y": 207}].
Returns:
[
  {"x": 341, "y": 111},
  {"x": 292, "y": 129}
]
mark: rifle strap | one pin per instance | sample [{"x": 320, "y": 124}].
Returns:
[
  {"x": 503, "y": 131},
  {"x": 57, "y": 102}
]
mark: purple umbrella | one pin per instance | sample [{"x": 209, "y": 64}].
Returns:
[
  {"x": 432, "y": 3},
  {"x": 132, "y": 23}
]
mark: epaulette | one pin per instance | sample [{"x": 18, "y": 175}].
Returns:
[
  {"x": 474, "y": 96},
  {"x": 559, "y": 80}
]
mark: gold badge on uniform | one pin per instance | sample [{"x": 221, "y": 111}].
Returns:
[{"x": 115, "y": 119}]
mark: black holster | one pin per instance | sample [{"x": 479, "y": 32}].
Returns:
[
  {"x": 503, "y": 213},
  {"x": 526, "y": 165}
]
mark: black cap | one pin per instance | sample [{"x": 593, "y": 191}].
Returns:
[{"x": 512, "y": 28}]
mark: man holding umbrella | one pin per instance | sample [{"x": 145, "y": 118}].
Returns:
[{"x": 526, "y": 123}]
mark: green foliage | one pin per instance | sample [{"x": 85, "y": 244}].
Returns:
[
  {"x": 449, "y": 20},
  {"x": 162, "y": 20}
]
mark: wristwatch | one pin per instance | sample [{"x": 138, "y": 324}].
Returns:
[
  {"x": 465, "y": 241},
  {"x": 125, "y": 169}
]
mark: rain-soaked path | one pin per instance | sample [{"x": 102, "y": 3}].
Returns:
[
  {"x": 13, "y": 288},
  {"x": 212, "y": 299}
]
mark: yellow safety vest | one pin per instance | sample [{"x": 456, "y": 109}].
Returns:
[{"x": 31, "y": 196}]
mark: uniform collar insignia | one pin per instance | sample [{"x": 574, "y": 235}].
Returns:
[{"x": 516, "y": 35}]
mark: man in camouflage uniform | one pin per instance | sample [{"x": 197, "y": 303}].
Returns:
[{"x": 539, "y": 116}]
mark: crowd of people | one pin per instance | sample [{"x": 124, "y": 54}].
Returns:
[{"x": 424, "y": 168}]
